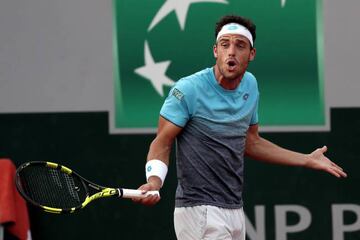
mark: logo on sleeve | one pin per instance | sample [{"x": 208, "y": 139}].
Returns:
[{"x": 177, "y": 93}]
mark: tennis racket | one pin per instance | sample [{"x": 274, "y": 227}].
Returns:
[{"x": 57, "y": 189}]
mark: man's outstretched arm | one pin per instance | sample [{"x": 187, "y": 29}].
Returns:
[{"x": 261, "y": 149}]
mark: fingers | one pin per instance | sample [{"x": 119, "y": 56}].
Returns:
[
  {"x": 150, "y": 199},
  {"x": 319, "y": 152},
  {"x": 340, "y": 171},
  {"x": 333, "y": 168},
  {"x": 333, "y": 164},
  {"x": 327, "y": 165},
  {"x": 337, "y": 166},
  {"x": 336, "y": 171},
  {"x": 324, "y": 149}
]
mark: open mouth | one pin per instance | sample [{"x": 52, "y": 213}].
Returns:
[{"x": 231, "y": 64}]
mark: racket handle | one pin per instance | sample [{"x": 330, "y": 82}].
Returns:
[{"x": 132, "y": 193}]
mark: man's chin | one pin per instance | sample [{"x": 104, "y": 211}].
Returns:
[{"x": 232, "y": 75}]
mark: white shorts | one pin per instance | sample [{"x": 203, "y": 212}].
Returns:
[{"x": 209, "y": 222}]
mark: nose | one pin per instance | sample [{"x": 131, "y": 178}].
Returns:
[{"x": 231, "y": 50}]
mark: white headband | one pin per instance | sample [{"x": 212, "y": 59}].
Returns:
[{"x": 235, "y": 28}]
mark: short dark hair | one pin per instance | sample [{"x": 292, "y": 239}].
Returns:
[{"x": 236, "y": 19}]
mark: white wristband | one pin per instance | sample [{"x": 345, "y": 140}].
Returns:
[{"x": 156, "y": 168}]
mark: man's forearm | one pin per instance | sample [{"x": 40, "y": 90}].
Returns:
[
  {"x": 266, "y": 151},
  {"x": 157, "y": 161},
  {"x": 160, "y": 150}
]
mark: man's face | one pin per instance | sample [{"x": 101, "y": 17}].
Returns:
[{"x": 233, "y": 53}]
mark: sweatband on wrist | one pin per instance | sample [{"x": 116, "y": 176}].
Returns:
[
  {"x": 156, "y": 168},
  {"x": 235, "y": 28}
]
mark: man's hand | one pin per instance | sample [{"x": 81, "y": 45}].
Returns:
[
  {"x": 318, "y": 161},
  {"x": 154, "y": 184}
]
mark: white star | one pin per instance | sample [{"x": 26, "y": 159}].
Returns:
[
  {"x": 180, "y": 7},
  {"x": 283, "y": 2},
  {"x": 154, "y": 72}
]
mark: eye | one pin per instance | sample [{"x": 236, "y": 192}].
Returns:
[
  {"x": 240, "y": 45},
  {"x": 224, "y": 44}
]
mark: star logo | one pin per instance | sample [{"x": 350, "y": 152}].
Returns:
[
  {"x": 154, "y": 71},
  {"x": 180, "y": 7}
]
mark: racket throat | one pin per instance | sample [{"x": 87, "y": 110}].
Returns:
[{"x": 107, "y": 192}]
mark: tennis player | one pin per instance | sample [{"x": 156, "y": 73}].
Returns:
[{"x": 213, "y": 115}]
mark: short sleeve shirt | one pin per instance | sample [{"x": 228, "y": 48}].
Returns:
[{"x": 210, "y": 147}]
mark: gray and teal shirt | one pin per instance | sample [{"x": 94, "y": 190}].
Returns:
[{"x": 210, "y": 147}]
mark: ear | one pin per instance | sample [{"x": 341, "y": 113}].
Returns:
[
  {"x": 215, "y": 51},
  {"x": 252, "y": 54}
]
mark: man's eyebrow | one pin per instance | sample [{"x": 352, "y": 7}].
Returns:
[
  {"x": 240, "y": 40},
  {"x": 224, "y": 39}
]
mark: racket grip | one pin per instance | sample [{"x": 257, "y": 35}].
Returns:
[{"x": 132, "y": 193}]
